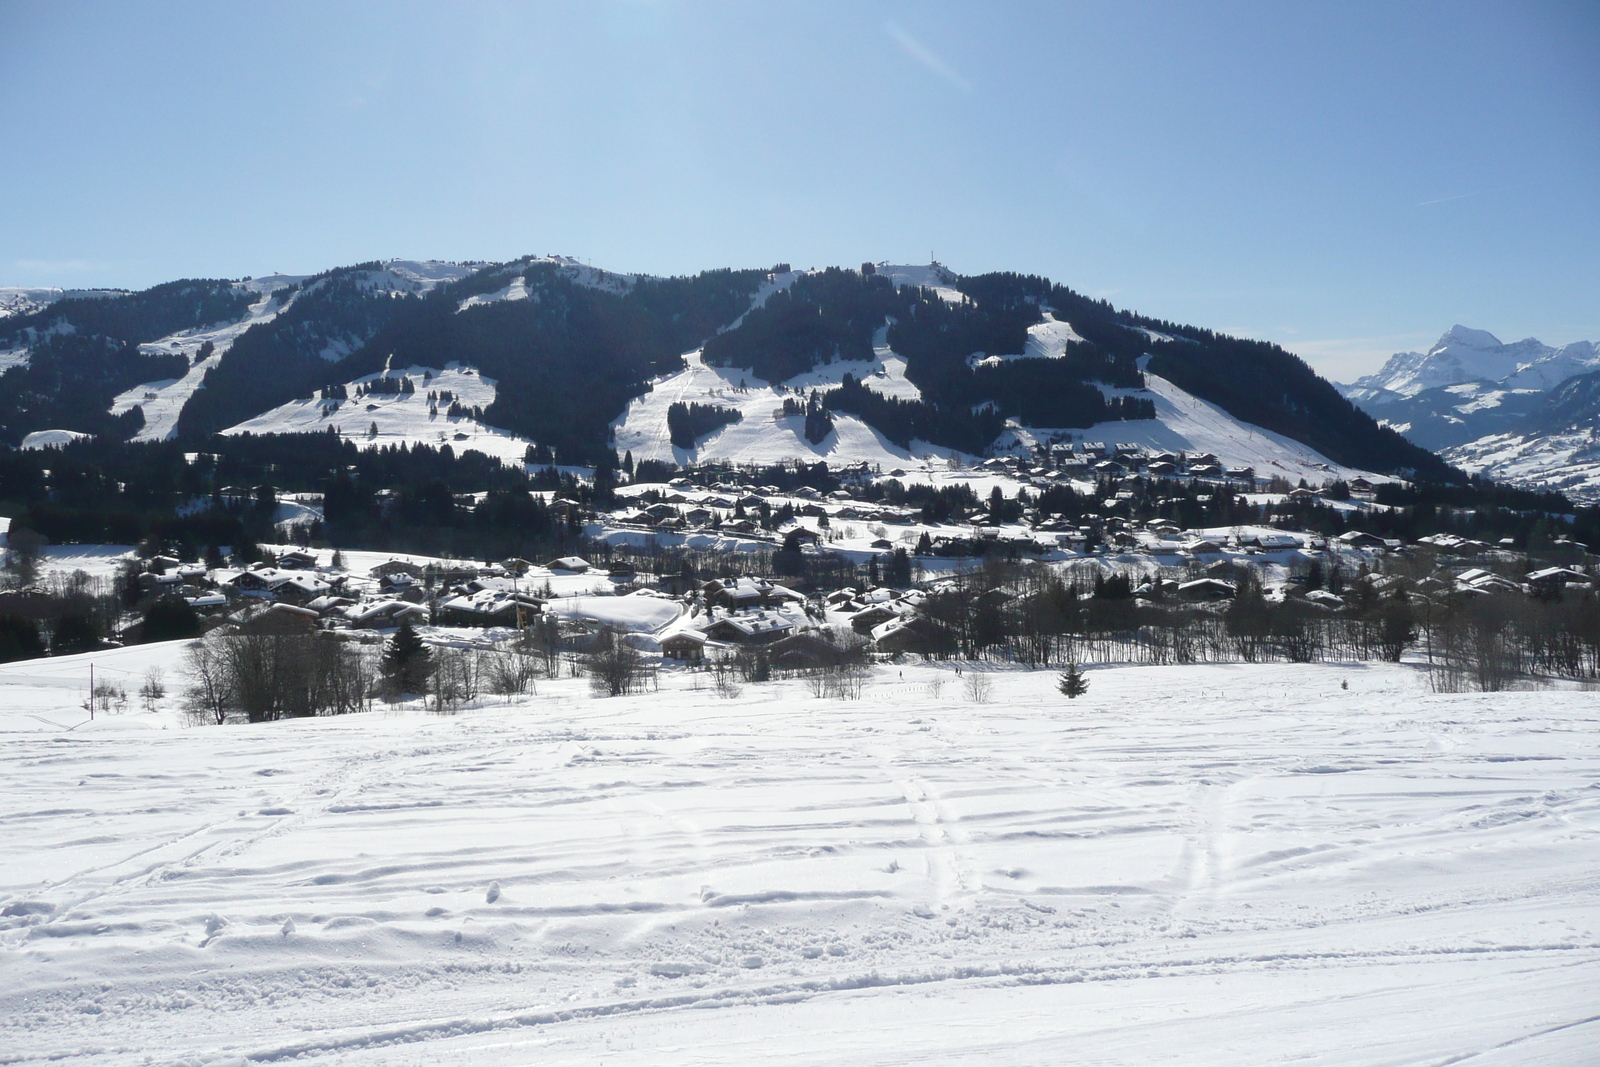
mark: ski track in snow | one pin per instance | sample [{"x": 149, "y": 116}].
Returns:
[{"x": 1216, "y": 864}]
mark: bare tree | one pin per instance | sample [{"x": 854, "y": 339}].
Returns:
[{"x": 615, "y": 667}]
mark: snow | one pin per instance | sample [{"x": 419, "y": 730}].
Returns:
[
  {"x": 629, "y": 614},
  {"x": 1563, "y": 462},
  {"x": 52, "y": 438},
  {"x": 401, "y": 418},
  {"x": 516, "y": 290},
  {"x": 765, "y": 435},
  {"x": 1463, "y": 355},
  {"x": 1186, "y": 423},
  {"x": 1046, "y": 340},
  {"x": 23, "y": 300},
  {"x": 930, "y": 276},
  {"x": 162, "y": 401},
  {"x": 1206, "y": 865}
]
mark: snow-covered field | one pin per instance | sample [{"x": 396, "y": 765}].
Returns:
[{"x": 1207, "y": 865}]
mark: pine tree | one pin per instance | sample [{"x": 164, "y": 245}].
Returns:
[
  {"x": 407, "y": 661},
  {"x": 1072, "y": 683}
]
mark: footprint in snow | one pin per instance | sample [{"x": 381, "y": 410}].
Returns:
[
  {"x": 288, "y": 926},
  {"x": 494, "y": 892}
]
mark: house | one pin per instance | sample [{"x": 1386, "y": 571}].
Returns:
[
  {"x": 569, "y": 564},
  {"x": 299, "y": 589},
  {"x": 917, "y": 635},
  {"x": 685, "y": 646},
  {"x": 298, "y": 560},
  {"x": 490, "y": 607},
  {"x": 759, "y": 628},
  {"x": 280, "y": 619},
  {"x": 392, "y": 567},
  {"x": 1205, "y": 589},
  {"x": 1360, "y": 539},
  {"x": 739, "y": 594},
  {"x": 1550, "y": 578},
  {"x": 385, "y": 614},
  {"x": 866, "y": 620}
]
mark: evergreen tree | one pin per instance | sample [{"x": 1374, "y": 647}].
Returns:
[
  {"x": 407, "y": 661},
  {"x": 171, "y": 619},
  {"x": 1072, "y": 683}
]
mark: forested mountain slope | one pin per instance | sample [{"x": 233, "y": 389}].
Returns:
[{"x": 569, "y": 347}]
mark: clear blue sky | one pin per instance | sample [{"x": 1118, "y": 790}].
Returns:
[{"x": 1346, "y": 179}]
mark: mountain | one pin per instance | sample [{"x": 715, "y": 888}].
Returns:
[
  {"x": 1466, "y": 355},
  {"x": 549, "y": 356},
  {"x": 1467, "y": 386},
  {"x": 1555, "y": 445}
]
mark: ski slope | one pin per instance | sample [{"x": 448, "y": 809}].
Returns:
[
  {"x": 764, "y": 434},
  {"x": 1185, "y": 423},
  {"x": 162, "y": 401},
  {"x": 402, "y": 418},
  {"x": 1197, "y": 865}
]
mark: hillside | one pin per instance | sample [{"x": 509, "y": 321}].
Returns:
[{"x": 883, "y": 364}]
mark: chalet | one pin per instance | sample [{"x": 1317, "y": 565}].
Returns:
[
  {"x": 299, "y": 589},
  {"x": 392, "y": 567},
  {"x": 1162, "y": 467},
  {"x": 739, "y": 594},
  {"x": 1360, "y": 539},
  {"x": 916, "y": 635},
  {"x": 760, "y": 628},
  {"x": 1202, "y": 546},
  {"x": 1205, "y": 589},
  {"x": 280, "y": 619},
  {"x": 490, "y": 607},
  {"x": 868, "y": 619},
  {"x": 1478, "y": 580},
  {"x": 329, "y": 605},
  {"x": 686, "y": 646},
  {"x": 1551, "y": 578},
  {"x": 1243, "y": 474},
  {"x": 385, "y": 614},
  {"x": 569, "y": 564},
  {"x": 257, "y": 582},
  {"x": 1205, "y": 470},
  {"x": 298, "y": 560}
]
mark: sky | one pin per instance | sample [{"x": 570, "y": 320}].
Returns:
[{"x": 1346, "y": 179}]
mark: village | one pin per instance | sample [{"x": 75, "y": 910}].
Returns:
[{"x": 709, "y": 562}]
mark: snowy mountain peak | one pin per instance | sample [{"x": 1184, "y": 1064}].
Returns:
[
  {"x": 1465, "y": 337},
  {"x": 1463, "y": 354}
]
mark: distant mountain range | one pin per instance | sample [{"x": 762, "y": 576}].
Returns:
[
  {"x": 547, "y": 358},
  {"x": 1521, "y": 412}
]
